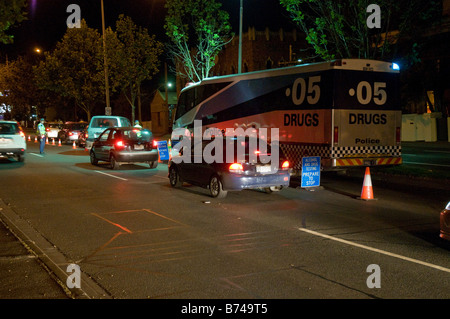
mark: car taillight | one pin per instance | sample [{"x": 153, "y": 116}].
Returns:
[
  {"x": 285, "y": 165},
  {"x": 119, "y": 144},
  {"x": 22, "y": 134},
  {"x": 236, "y": 168},
  {"x": 70, "y": 133},
  {"x": 155, "y": 143},
  {"x": 47, "y": 129},
  {"x": 86, "y": 135}
]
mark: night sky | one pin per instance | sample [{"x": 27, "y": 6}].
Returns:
[{"x": 46, "y": 22}]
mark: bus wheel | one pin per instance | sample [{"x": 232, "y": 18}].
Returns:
[{"x": 215, "y": 187}]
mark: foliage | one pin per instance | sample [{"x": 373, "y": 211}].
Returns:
[
  {"x": 74, "y": 69},
  {"x": 338, "y": 29},
  {"x": 137, "y": 58},
  {"x": 11, "y": 13},
  {"x": 198, "y": 30}
]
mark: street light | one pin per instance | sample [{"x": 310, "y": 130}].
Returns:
[
  {"x": 241, "y": 14},
  {"x": 108, "y": 110}
]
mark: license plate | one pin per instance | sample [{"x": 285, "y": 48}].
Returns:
[
  {"x": 263, "y": 169},
  {"x": 138, "y": 147}
]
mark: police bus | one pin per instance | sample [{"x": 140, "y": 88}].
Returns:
[{"x": 346, "y": 111}]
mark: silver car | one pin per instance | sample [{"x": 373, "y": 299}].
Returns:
[{"x": 100, "y": 123}]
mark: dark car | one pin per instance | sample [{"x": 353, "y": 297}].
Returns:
[
  {"x": 445, "y": 223},
  {"x": 231, "y": 175},
  {"x": 123, "y": 145},
  {"x": 71, "y": 131},
  {"x": 82, "y": 137}
]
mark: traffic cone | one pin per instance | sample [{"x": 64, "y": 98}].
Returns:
[
  {"x": 29, "y": 138},
  {"x": 35, "y": 139},
  {"x": 74, "y": 146},
  {"x": 367, "y": 191},
  {"x": 59, "y": 143},
  {"x": 53, "y": 142},
  {"x": 46, "y": 141}
]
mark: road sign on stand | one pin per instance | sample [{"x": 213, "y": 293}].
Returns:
[
  {"x": 163, "y": 151},
  {"x": 310, "y": 171}
]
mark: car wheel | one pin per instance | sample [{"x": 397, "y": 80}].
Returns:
[
  {"x": 215, "y": 187},
  {"x": 271, "y": 189},
  {"x": 153, "y": 164},
  {"x": 113, "y": 164},
  {"x": 94, "y": 160},
  {"x": 174, "y": 178}
]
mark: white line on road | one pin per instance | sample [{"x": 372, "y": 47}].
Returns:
[
  {"x": 426, "y": 164},
  {"x": 312, "y": 232},
  {"x": 38, "y": 155},
  {"x": 124, "y": 179}
]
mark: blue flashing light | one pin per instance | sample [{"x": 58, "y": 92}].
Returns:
[{"x": 395, "y": 66}]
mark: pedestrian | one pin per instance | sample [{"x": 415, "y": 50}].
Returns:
[
  {"x": 42, "y": 135},
  {"x": 136, "y": 124}
]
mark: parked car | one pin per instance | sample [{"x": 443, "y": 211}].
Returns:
[
  {"x": 99, "y": 123},
  {"x": 230, "y": 176},
  {"x": 53, "y": 129},
  {"x": 445, "y": 223},
  {"x": 12, "y": 140},
  {"x": 123, "y": 145},
  {"x": 70, "y": 132}
]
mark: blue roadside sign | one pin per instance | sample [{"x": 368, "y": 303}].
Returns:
[
  {"x": 163, "y": 150},
  {"x": 310, "y": 171}
]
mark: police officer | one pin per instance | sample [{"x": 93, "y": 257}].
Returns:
[
  {"x": 136, "y": 124},
  {"x": 42, "y": 134}
]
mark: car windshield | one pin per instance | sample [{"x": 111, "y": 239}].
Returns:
[
  {"x": 137, "y": 134},
  {"x": 104, "y": 122},
  {"x": 54, "y": 125},
  {"x": 9, "y": 128}
]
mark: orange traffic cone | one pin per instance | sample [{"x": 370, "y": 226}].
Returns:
[
  {"x": 35, "y": 139},
  {"x": 367, "y": 191},
  {"x": 46, "y": 141},
  {"x": 59, "y": 143},
  {"x": 53, "y": 141},
  {"x": 29, "y": 138},
  {"x": 74, "y": 146}
]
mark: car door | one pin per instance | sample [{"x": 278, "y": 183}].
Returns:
[{"x": 100, "y": 147}]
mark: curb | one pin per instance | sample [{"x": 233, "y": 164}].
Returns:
[{"x": 49, "y": 256}]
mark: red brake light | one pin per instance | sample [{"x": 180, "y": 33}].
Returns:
[
  {"x": 155, "y": 143},
  {"x": 21, "y": 133},
  {"x": 257, "y": 152},
  {"x": 285, "y": 165},
  {"x": 236, "y": 168},
  {"x": 70, "y": 133},
  {"x": 119, "y": 144}
]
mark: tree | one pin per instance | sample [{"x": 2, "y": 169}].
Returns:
[
  {"x": 198, "y": 30},
  {"x": 338, "y": 29},
  {"x": 11, "y": 13},
  {"x": 138, "y": 59},
  {"x": 18, "y": 87},
  {"x": 75, "y": 68}
]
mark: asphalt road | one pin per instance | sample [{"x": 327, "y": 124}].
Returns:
[{"x": 133, "y": 236}]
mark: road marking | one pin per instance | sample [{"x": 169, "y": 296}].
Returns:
[
  {"x": 423, "y": 263},
  {"x": 38, "y": 155},
  {"x": 124, "y": 179},
  {"x": 429, "y": 164}
]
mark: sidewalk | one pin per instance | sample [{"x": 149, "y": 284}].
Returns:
[{"x": 22, "y": 274}]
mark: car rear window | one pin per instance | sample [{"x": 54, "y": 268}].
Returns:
[
  {"x": 9, "y": 128},
  {"x": 77, "y": 127},
  {"x": 138, "y": 135},
  {"x": 104, "y": 122}
]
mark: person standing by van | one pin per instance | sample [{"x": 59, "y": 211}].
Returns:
[
  {"x": 42, "y": 135},
  {"x": 136, "y": 124}
]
